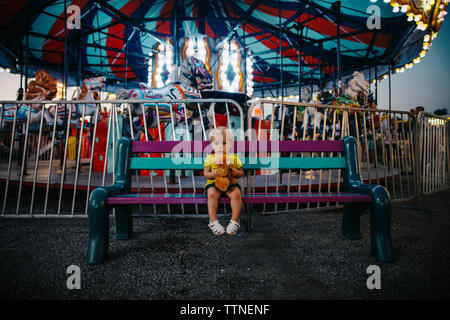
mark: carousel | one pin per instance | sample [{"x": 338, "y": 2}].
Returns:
[{"x": 94, "y": 71}]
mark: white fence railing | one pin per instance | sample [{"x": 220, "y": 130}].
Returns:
[
  {"x": 433, "y": 156},
  {"x": 48, "y": 167}
]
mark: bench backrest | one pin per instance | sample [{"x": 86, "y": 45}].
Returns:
[{"x": 253, "y": 154}]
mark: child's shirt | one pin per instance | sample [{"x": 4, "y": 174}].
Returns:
[{"x": 232, "y": 159}]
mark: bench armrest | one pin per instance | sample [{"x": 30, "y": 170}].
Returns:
[
  {"x": 122, "y": 179},
  {"x": 352, "y": 177}
]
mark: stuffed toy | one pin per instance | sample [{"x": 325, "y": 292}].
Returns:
[{"x": 223, "y": 174}]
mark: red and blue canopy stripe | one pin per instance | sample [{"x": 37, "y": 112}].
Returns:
[{"x": 117, "y": 36}]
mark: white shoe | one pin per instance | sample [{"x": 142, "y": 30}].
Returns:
[
  {"x": 216, "y": 228},
  {"x": 232, "y": 227}
]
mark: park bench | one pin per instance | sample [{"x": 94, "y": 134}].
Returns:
[{"x": 355, "y": 192}]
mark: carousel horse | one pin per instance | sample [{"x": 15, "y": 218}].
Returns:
[
  {"x": 43, "y": 87},
  {"x": 357, "y": 85},
  {"x": 355, "y": 94},
  {"x": 88, "y": 91},
  {"x": 193, "y": 76}
]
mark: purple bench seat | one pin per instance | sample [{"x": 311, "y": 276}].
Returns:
[{"x": 191, "y": 198}]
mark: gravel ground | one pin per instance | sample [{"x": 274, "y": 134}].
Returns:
[{"x": 287, "y": 257}]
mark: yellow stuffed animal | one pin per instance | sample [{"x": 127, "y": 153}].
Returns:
[{"x": 223, "y": 174}]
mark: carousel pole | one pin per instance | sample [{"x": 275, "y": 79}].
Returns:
[
  {"x": 176, "y": 54},
  {"x": 80, "y": 72},
  {"x": 390, "y": 91},
  {"x": 65, "y": 51},
  {"x": 80, "y": 78},
  {"x": 281, "y": 52},
  {"x": 338, "y": 24},
  {"x": 64, "y": 93},
  {"x": 27, "y": 58},
  {"x": 376, "y": 79},
  {"x": 20, "y": 92},
  {"x": 175, "y": 63},
  {"x": 320, "y": 66},
  {"x": 245, "y": 72},
  {"x": 334, "y": 77},
  {"x": 280, "y": 176},
  {"x": 126, "y": 55},
  {"x": 27, "y": 47},
  {"x": 77, "y": 73},
  {"x": 61, "y": 147},
  {"x": 300, "y": 62}
]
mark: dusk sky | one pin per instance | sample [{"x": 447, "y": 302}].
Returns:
[{"x": 426, "y": 84}]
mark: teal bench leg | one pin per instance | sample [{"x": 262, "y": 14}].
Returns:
[
  {"x": 245, "y": 220},
  {"x": 98, "y": 227},
  {"x": 351, "y": 220},
  {"x": 380, "y": 225},
  {"x": 124, "y": 222},
  {"x": 380, "y": 209}
]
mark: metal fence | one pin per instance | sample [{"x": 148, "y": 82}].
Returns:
[
  {"x": 48, "y": 168},
  {"x": 385, "y": 140},
  {"x": 433, "y": 156}
]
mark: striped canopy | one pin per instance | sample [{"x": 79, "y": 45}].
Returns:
[{"x": 116, "y": 37}]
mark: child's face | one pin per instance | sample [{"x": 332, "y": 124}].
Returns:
[{"x": 221, "y": 146}]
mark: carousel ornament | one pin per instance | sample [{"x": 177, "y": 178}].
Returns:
[
  {"x": 357, "y": 85},
  {"x": 43, "y": 87},
  {"x": 355, "y": 94},
  {"x": 90, "y": 90},
  {"x": 193, "y": 76}
]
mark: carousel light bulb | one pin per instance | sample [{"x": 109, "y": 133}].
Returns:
[
  {"x": 404, "y": 8},
  {"x": 387, "y": 1},
  {"x": 373, "y": 1},
  {"x": 396, "y": 8},
  {"x": 410, "y": 18}
]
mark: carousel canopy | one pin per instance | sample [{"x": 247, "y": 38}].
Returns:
[{"x": 116, "y": 38}]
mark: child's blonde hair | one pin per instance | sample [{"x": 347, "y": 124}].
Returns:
[{"x": 224, "y": 132}]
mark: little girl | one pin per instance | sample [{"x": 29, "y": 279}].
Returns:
[{"x": 222, "y": 142}]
